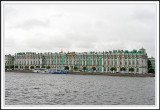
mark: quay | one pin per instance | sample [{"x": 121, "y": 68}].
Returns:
[{"x": 91, "y": 73}]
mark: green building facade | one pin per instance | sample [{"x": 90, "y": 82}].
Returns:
[
  {"x": 9, "y": 61},
  {"x": 102, "y": 61}
]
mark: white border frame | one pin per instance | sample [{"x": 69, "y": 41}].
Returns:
[{"x": 83, "y": 106}]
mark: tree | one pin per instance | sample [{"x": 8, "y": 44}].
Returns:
[
  {"x": 75, "y": 68},
  {"x": 151, "y": 70},
  {"x": 43, "y": 67},
  {"x": 12, "y": 66},
  {"x": 66, "y": 68},
  {"x": 149, "y": 64},
  {"x": 26, "y": 67},
  {"x": 123, "y": 69},
  {"x": 93, "y": 68},
  {"x": 37, "y": 66},
  {"x": 32, "y": 67},
  {"x": 16, "y": 66},
  {"x": 131, "y": 69},
  {"x": 6, "y": 67},
  {"x": 84, "y": 68},
  {"x": 113, "y": 69},
  {"x": 48, "y": 67}
]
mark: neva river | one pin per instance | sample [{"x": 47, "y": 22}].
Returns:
[{"x": 68, "y": 89}]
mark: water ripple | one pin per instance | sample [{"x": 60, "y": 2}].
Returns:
[{"x": 53, "y": 89}]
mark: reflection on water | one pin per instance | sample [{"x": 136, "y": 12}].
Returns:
[{"x": 67, "y": 89}]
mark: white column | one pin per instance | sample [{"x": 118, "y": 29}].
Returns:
[
  {"x": 134, "y": 70},
  {"x": 142, "y": 70},
  {"x": 127, "y": 70},
  {"x": 117, "y": 63},
  {"x": 142, "y": 65},
  {"x": 102, "y": 64},
  {"x": 122, "y": 61},
  {"x": 102, "y": 68},
  {"x": 127, "y": 61},
  {"x": 146, "y": 66},
  {"x": 106, "y": 61},
  {"x": 135, "y": 61},
  {"x": 131, "y": 61},
  {"x": 102, "y": 61},
  {"x": 92, "y": 61}
]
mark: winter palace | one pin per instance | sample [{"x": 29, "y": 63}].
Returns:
[{"x": 101, "y": 61}]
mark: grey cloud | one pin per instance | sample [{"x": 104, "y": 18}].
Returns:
[
  {"x": 81, "y": 27},
  {"x": 80, "y": 37},
  {"x": 84, "y": 44},
  {"x": 144, "y": 14},
  {"x": 9, "y": 41},
  {"x": 32, "y": 23},
  {"x": 56, "y": 15},
  {"x": 44, "y": 41}
]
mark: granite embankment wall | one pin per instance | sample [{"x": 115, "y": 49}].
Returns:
[
  {"x": 92, "y": 73},
  {"x": 114, "y": 74},
  {"x": 20, "y": 71}
]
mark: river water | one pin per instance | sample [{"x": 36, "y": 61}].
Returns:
[{"x": 68, "y": 89}]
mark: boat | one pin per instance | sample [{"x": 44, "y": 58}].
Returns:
[
  {"x": 37, "y": 70},
  {"x": 48, "y": 71},
  {"x": 60, "y": 72},
  {"x": 42, "y": 71}
]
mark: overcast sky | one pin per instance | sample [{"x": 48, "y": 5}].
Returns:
[{"x": 79, "y": 27}]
